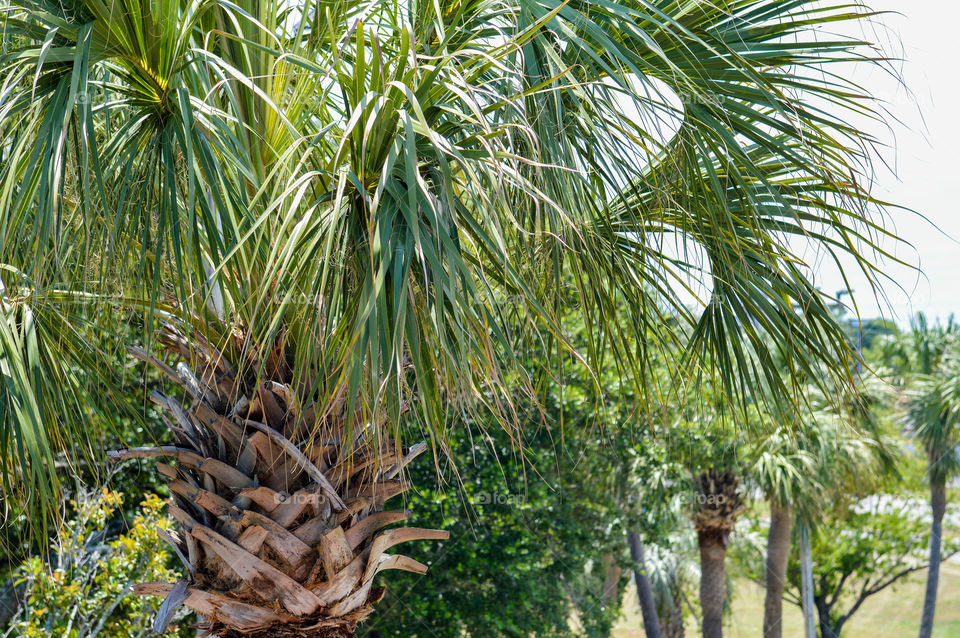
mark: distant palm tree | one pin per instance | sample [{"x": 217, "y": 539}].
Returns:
[
  {"x": 672, "y": 568},
  {"x": 341, "y": 217},
  {"x": 934, "y": 418},
  {"x": 652, "y": 622},
  {"x": 785, "y": 472},
  {"x": 718, "y": 505},
  {"x": 801, "y": 468}
]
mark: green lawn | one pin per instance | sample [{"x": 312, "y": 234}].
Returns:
[{"x": 894, "y": 613}]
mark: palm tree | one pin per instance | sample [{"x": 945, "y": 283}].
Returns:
[
  {"x": 672, "y": 568},
  {"x": 339, "y": 221},
  {"x": 784, "y": 473},
  {"x": 718, "y": 505},
  {"x": 923, "y": 361},
  {"x": 934, "y": 416},
  {"x": 800, "y": 468}
]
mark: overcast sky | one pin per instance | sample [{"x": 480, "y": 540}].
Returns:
[{"x": 923, "y": 173}]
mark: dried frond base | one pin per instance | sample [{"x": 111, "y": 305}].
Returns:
[
  {"x": 719, "y": 503},
  {"x": 280, "y": 507},
  {"x": 283, "y": 632},
  {"x": 318, "y": 627}
]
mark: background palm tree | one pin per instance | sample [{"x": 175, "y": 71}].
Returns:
[
  {"x": 718, "y": 505},
  {"x": 922, "y": 364},
  {"x": 800, "y": 470},
  {"x": 780, "y": 468},
  {"x": 672, "y": 570},
  {"x": 645, "y": 597},
  {"x": 934, "y": 418},
  {"x": 346, "y": 218}
]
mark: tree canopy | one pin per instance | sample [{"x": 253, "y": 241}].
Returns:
[{"x": 396, "y": 196}]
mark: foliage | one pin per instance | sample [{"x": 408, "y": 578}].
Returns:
[
  {"x": 922, "y": 366},
  {"x": 934, "y": 416},
  {"x": 527, "y": 540},
  {"x": 917, "y": 352},
  {"x": 827, "y": 458},
  {"x": 933, "y": 412},
  {"x": 87, "y": 593},
  {"x": 130, "y": 420},
  {"x": 871, "y": 331},
  {"x": 406, "y": 191},
  {"x": 674, "y": 572}
]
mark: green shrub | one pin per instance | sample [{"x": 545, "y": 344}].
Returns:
[{"x": 88, "y": 592}]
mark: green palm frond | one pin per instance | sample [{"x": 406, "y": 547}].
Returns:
[
  {"x": 414, "y": 192},
  {"x": 835, "y": 448},
  {"x": 934, "y": 417},
  {"x": 930, "y": 353}
]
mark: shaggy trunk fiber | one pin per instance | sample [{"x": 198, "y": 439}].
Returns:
[
  {"x": 938, "y": 505},
  {"x": 778, "y": 553},
  {"x": 648, "y": 606},
  {"x": 713, "y": 581},
  {"x": 279, "y": 506},
  {"x": 717, "y": 508}
]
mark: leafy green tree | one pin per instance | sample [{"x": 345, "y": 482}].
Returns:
[
  {"x": 87, "y": 593},
  {"x": 529, "y": 534},
  {"x": 346, "y": 218},
  {"x": 542, "y": 521}
]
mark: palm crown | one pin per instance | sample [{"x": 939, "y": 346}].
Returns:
[
  {"x": 402, "y": 195},
  {"x": 931, "y": 354}
]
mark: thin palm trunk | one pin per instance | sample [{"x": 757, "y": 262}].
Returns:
[
  {"x": 938, "y": 505},
  {"x": 778, "y": 552},
  {"x": 648, "y": 607},
  {"x": 713, "y": 580},
  {"x": 806, "y": 583}
]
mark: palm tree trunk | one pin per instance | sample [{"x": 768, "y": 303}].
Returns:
[
  {"x": 275, "y": 545},
  {"x": 938, "y": 505},
  {"x": 806, "y": 583},
  {"x": 778, "y": 552},
  {"x": 648, "y": 607},
  {"x": 713, "y": 580}
]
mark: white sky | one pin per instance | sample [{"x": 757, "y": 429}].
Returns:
[{"x": 923, "y": 173}]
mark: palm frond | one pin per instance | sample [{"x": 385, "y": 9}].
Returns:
[{"x": 414, "y": 193}]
